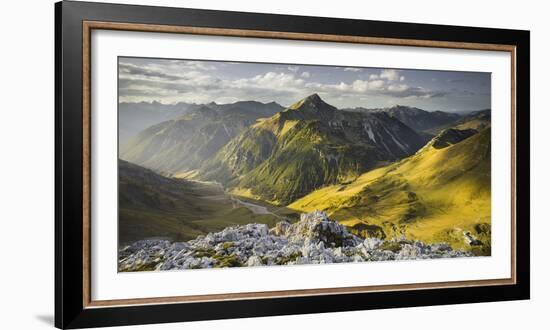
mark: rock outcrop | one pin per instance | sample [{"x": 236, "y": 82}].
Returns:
[{"x": 315, "y": 239}]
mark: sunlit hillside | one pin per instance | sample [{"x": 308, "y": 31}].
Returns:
[{"x": 440, "y": 194}]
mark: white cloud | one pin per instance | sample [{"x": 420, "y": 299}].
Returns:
[
  {"x": 353, "y": 69},
  {"x": 271, "y": 80},
  {"x": 389, "y": 74},
  {"x": 366, "y": 86},
  {"x": 293, "y": 68},
  {"x": 398, "y": 88},
  {"x": 180, "y": 65},
  {"x": 357, "y": 86},
  {"x": 189, "y": 81},
  {"x": 376, "y": 84},
  {"x": 198, "y": 65}
]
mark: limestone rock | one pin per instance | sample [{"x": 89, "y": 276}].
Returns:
[{"x": 315, "y": 239}]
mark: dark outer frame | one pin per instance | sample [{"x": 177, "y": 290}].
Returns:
[
  {"x": 71, "y": 310},
  {"x": 90, "y": 26}
]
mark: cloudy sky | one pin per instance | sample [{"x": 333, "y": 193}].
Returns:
[{"x": 172, "y": 81}]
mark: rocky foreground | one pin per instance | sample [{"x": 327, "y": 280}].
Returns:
[{"x": 315, "y": 239}]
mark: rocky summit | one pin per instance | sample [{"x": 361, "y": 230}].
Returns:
[{"x": 314, "y": 239}]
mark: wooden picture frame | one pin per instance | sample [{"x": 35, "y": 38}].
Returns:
[{"x": 75, "y": 21}]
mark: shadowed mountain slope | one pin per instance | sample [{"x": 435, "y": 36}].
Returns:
[
  {"x": 417, "y": 119},
  {"x": 151, "y": 205},
  {"x": 135, "y": 117},
  {"x": 184, "y": 143},
  {"x": 477, "y": 120}
]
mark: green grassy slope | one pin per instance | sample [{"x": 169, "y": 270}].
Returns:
[
  {"x": 437, "y": 195},
  {"x": 151, "y": 205},
  {"x": 311, "y": 156}
]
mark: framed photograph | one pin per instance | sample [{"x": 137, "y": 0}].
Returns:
[{"x": 218, "y": 164}]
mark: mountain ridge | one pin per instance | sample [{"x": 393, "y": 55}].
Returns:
[
  {"x": 183, "y": 143},
  {"x": 418, "y": 119},
  {"x": 310, "y": 137}
]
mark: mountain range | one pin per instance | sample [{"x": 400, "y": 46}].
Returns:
[
  {"x": 134, "y": 117},
  {"x": 417, "y": 119},
  {"x": 388, "y": 173},
  {"x": 306, "y": 146},
  {"x": 185, "y": 142}
]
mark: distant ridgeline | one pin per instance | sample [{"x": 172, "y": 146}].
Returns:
[{"x": 386, "y": 173}]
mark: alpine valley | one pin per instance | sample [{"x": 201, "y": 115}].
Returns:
[{"x": 251, "y": 183}]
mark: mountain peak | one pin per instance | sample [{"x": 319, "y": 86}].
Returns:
[
  {"x": 314, "y": 98},
  {"x": 274, "y": 104},
  {"x": 312, "y": 102}
]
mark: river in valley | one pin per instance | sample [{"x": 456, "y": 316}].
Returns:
[{"x": 219, "y": 193}]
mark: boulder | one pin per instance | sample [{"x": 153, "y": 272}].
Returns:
[{"x": 254, "y": 261}]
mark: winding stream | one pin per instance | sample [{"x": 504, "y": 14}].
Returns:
[{"x": 255, "y": 208}]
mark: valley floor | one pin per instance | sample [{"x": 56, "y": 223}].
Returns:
[{"x": 154, "y": 206}]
